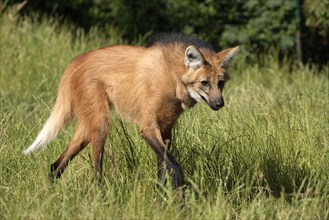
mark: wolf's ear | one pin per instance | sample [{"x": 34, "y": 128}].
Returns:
[
  {"x": 227, "y": 55},
  {"x": 193, "y": 58}
]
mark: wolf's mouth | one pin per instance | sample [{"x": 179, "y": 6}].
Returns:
[
  {"x": 213, "y": 107},
  {"x": 204, "y": 99}
]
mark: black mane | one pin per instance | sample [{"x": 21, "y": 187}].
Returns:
[{"x": 172, "y": 38}]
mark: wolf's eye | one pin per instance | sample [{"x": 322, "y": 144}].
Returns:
[
  {"x": 221, "y": 84},
  {"x": 205, "y": 83}
]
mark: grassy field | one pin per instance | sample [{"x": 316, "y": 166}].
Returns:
[{"x": 265, "y": 155}]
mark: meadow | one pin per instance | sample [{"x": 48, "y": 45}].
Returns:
[{"x": 265, "y": 155}]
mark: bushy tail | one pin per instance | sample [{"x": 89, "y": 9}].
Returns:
[{"x": 61, "y": 113}]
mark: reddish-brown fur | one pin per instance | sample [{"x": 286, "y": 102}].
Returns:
[{"x": 147, "y": 86}]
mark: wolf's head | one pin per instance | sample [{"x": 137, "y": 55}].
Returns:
[{"x": 206, "y": 77}]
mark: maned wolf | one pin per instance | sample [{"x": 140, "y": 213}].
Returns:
[{"x": 150, "y": 86}]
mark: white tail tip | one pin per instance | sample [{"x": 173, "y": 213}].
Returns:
[
  {"x": 27, "y": 151},
  {"x": 47, "y": 134},
  {"x": 37, "y": 144}
]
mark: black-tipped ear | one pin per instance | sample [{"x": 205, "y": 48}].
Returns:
[
  {"x": 193, "y": 58},
  {"x": 227, "y": 55}
]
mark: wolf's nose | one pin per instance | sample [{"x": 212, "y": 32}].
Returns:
[{"x": 219, "y": 103}]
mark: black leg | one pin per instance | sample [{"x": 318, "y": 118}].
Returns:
[{"x": 171, "y": 163}]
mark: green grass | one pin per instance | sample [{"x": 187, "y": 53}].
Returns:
[{"x": 265, "y": 155}]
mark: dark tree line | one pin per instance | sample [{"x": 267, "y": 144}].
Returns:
[{"x": 256, "y": 24}]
